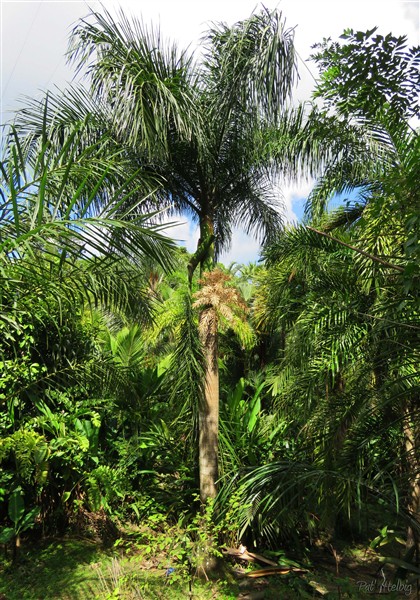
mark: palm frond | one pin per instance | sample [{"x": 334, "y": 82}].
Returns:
[{"x": 147, "y": 84}]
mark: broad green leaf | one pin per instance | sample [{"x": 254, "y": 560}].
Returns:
[
  {"x": 255, "y": 408},
  {"x": 29, "y": 519},
  {"x": 235, "y": 397},
  {"x": 16, "y": 508}
]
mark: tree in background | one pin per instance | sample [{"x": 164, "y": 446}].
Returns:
[
  {"x": 373, "y": 83},
  {"x": 343, "y": 291}
]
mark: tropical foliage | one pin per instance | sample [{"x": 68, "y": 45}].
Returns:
[
  {"x": 343, "y": 293},
  {"x": 194, "y": 129},
  {"x": 272, "y": 404}
]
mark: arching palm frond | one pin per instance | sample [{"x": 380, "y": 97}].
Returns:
[
  {"x": 48, "y": 237},
  {"x": 196, "y": 129},
  {"x": 147, "y": 84},
  {"x": 250, "y": 66}
]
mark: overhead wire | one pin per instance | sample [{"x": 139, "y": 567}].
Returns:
[
  {"x": 22, "y": 48},
  {"x": 306, "y": 66}
]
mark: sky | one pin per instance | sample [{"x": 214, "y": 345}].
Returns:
[{"x": 34, "y": 38}]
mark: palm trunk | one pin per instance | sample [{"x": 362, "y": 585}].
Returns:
[
  {"x": 209, "y": 409},
  {"x": 209, "y": 406},
  {"x": 412, "y": 440}
]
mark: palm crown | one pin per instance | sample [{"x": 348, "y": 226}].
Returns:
[{"x": 193, "y": 128}]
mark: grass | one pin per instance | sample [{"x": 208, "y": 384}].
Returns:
[
  {"x": 76, "y": 569},
  {"x": 80, "y": 569},
  {"x": 54, "y": 569}
]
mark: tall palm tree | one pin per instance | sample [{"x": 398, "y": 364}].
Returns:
[
  {"x": 385, "y": 223},
  {"x": 345, "y": 288},
  {"x": 197, "y": 128}
]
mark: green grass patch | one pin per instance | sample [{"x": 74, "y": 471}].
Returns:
[{"x": 74, "y": 569}]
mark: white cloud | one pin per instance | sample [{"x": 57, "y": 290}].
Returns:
[
  {"x": 34, "y": 37},
  {"x": 412, "y": 13},
  {"x": 244, "y": 249},
  {"x": 184, "y": 232},
  {"x": 294, "y": 198},
  {"x": 34, "y": 34}
]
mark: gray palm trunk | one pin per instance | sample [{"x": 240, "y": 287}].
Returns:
[{"x": 209, "y": 407}]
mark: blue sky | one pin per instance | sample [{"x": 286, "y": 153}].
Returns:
[{"x": 244, "y": 248}]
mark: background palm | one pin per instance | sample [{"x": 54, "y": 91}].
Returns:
[{"x": 343, "y": 293}]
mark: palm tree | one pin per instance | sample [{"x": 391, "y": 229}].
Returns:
[
  {"x": 385, "y": 223},
  {"x": 197, "y": 128},
  {"x": 344, "y": 290},
  {"x": 342, "y": 376},
  {"x": 53, "y": 249}
]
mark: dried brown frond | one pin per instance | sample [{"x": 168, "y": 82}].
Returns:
[{"x": 216, "y": 292}]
